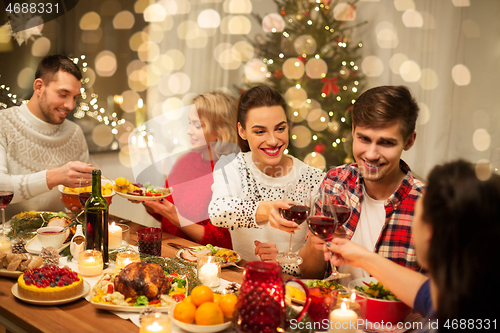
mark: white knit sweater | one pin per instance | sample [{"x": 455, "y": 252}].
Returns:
[
  {"x": 238, "y": 188},
  {"x": 28, "y": 148}
]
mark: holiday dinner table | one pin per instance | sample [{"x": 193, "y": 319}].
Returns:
[{"x": 80, "y": 315}]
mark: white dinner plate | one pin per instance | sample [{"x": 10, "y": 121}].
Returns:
[
  {"x": 199, "y": 328},
  {"x": 122, "y": 308},
  {"x": 86, "y": 289},
  {"x": 143, "y": 197},
  {"x": 35, "y": 247},
  {"x": 179, "y": 255}
]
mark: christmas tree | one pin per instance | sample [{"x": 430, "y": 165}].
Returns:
[{"x": 307, "y": 54}]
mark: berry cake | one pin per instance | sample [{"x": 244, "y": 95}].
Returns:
[{"x": 50, "y": 283}]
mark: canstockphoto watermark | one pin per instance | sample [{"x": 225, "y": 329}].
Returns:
[{"x": 359, "y": 324}]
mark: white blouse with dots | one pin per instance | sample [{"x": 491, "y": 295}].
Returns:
[{"x": 238, "y": 188}]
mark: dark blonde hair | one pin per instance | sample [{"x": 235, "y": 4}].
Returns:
[
  {"x": 256, "y": 97},
  {"x": 379, "y": 106},
  {"x": 217, "y": 113}
]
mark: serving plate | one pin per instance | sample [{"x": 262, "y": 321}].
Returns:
[
  {"x": 35, "y": 247},
  {"x": 123, "y": 308},
  {"x": 143, "y": 197},
  {"x": 224, "y": 264},
  {"x": 199, "y": 328},
  {"x": 86, "y": 289}
]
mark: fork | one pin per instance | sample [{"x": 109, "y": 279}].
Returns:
[{"x": 230, "y": 263}]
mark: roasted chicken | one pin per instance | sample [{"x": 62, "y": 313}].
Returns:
[{"x": 139, "y": 278}]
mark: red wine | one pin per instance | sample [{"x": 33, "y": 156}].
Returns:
[
  {"x": 343, "y": 213},
  {"x": 322, "y": 226},
  {"x": 5, "y": 198},
  {"x": 83, "y": 197},
  {"x": 96, "y": 219},
  {"x": 296, "y": 213},
  {"x": 149, "y": 246}
]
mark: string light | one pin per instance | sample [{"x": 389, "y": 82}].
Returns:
[{"x": 91, "y": 108}]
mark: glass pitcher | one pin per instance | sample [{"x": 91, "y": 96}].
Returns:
[{"x": 261, "y": 301}]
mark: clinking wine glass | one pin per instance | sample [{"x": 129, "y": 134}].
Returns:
[
  {"x": 5, "y": 199},
  {"x": 299, "y": 197},
  {"x": 330, "y": 211}
]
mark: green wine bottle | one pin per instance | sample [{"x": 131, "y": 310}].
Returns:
[{"x": 96, "y": 219}]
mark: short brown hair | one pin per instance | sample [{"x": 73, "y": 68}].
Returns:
[
  {"x": 381, "y": 105},
  {"x": 217, "y": 113},
  {"x": 51, "y": 65},
  {"x": 256, "y": 97}
]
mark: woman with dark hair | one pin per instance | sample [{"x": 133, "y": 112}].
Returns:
[
  {"x": 248, "y": 187},
  {"x": 456, "y": 229}
]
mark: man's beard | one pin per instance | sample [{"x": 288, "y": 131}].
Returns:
[{"x": 46, "y": 111}]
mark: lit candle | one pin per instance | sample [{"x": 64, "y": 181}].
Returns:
[
  {"x": 155, "y": 323},
  {"x": 126, "y": 257},
  {"x": 209, "y": 274},
  {"x": 114, "y": 236},
  {"x": 5, "y": 245},
  {"x": 90, "y": 263},
  {"x": 343, "y": 320}
]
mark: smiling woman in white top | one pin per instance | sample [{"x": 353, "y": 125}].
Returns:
[{"x": 248, "y": 187}]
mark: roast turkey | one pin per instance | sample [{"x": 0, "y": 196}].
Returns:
[{"x": 139, "y": 278}]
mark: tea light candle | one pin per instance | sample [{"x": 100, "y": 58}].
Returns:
[
  {"x": 209, "y": 274},
  {"x": 114, "y": 236},
  {"x": 155, "y": 323},
  {"x": 126, "y": 257},
  {"x": 90, "y": 263},
  {"x": 5, "y": 245},
  {"x": 343, "y": 319}
]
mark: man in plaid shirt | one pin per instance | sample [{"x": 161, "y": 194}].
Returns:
[{"x": 381, "y": 186}]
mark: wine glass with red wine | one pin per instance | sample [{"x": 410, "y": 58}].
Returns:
[
  {"x": 5, "y": 199},
  {"x": 299, "y": 197},
  {"x": 330, "y": 211}
]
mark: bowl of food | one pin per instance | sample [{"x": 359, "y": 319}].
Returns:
[
  {"x": 71, "y": 196},
  {"x": 51, "y": 236},
  {"x": 381, "y": 304}
]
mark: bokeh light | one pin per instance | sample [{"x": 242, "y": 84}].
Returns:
[
  {"x": 41, "y": 47},
  {"x": 461, "y": 75},
  {"x": 137, "y": 39},
  {"x": 481, "y": 139},
  {"x": 305, "y": 44},
  {"x": 92, "y": 36},
  {"x": 424, "y": 114},
  {"x": 387, "y": 38},
  {"x": 130, "y": 100},
  {"x": 372, "y": 66},
  {"x": 461, "y": 3},
  {"x": 209, "y": 18},
  {"x": 316, "y": 68},
  {"x": 245, "y": 49},
  {"x": 255, "y": 70},
  {"x": 301, "y": 136},
  {"x": 179, "y": 83},
  {"x": 412, "y": 19},
  {"x": 155, "y": 32},
  {"x": 25, "y": 78},
  {"x": 396, "y": 61},
  {"x": 410, "y": 71},
  {"x": 293, "y": 68},
  {"x": 403, "y": 5},
  {"x": 296, "y": 97},
  {"x": 238, "y": 6},
  {"x": 148, "y": 51},
  {"x": 344, "y": 12},
  {"x": 154, "y": 13},
  {"x": 317, "y": 120},
  {"x": 105, "y": 63},
  {"x": 177, "y": 57},
  {"x": 123, "y": 20},
  {"x": 273, "y": 23},
  {"x": 315, "y": 160},
  {"x": 90, "y": 21},
  {"x": 429, "y": 79},
  {"x": 102, "y": 136}
]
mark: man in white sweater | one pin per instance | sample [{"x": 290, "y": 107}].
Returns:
[{"x": 38, "y": 148}]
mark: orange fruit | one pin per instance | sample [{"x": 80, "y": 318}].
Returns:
[
  {"x": 217, "y": 298},
  {"x": 228, "y": 304},
  {"x": 209, "y": 313},
  {"x": 185, "y": 312},
  {"x": 201, "y": 294},
  {"x": 187, "y": 299}
]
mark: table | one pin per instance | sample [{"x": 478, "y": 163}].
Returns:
[{"x": 80, "y": 316}]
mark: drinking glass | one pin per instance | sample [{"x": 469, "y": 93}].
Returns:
[
  {"x": 5, "y": 199},
  {"x": 299, "y": 197},
  {"x": 149, "y": 241},
  {"x": 330, "y": 211}
]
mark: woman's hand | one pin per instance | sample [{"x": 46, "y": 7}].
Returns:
[
  {"x": 345, "y": 252},
  {"x": 165, "y": 208},
  {"x": 277, "y": 221},
  {"x": 266, "y": 251}
]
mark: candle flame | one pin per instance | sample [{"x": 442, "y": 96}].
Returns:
[
  {"x": 353, "y": 297},
  {"x": 112, "y": 224},
  {"x": 343, "y": 306}
]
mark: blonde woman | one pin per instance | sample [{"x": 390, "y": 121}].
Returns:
[{"x": 211, "y": 134}]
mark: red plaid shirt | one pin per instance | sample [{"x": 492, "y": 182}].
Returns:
[{"x": 395, "y": 241}]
